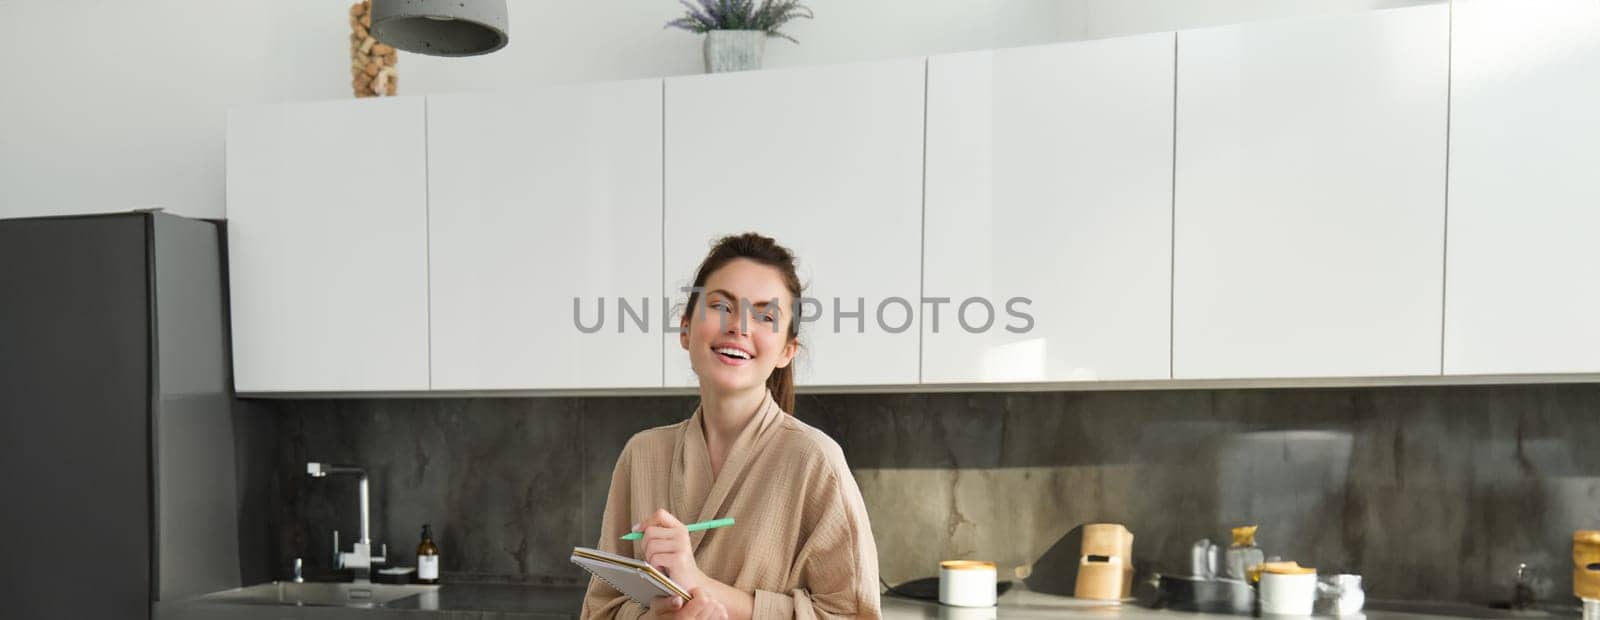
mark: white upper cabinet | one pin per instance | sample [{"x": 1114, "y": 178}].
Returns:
[
  {"x": 541, "y": 200},
  {"x": 1523, "y": 292},
  {"x": 1049, "y": 177},
  {"x": 327, "y": 246},
  {"x": 1310, "y": 206},
  {"x": 828, "y": 161}
]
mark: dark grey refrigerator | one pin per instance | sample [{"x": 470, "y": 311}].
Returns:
[{"x": 118, "y": 455}]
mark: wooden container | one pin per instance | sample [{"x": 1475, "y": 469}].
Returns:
[
  {"x": 1105, "y": 570},
  {"x": 1586, "y": 554}
]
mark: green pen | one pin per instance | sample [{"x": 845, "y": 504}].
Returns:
[{"x": 693, "y": 527}]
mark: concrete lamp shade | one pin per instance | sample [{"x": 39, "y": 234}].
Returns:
[{"x": 441, "y": 27}]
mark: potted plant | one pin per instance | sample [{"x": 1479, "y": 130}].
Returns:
[{"x": 737, "y": 30}]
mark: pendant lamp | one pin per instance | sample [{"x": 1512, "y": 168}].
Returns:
[{"x": 441, "y": 27}]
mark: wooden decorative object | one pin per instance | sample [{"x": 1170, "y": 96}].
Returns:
[
  {"x": 1105, "y": 570},
  {"x": 372, "y": 64},
  {"x": 1586, "y": 564}
]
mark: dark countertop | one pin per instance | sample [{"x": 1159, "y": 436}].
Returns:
[
  {"x": 538, "y": 601},
  {"x": 450, "y": 601},
  {"x": 1022, "y": 603},
  {"x": 489, "y": 601}
]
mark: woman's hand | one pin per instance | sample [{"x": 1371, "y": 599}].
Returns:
[
  {"x": 701, "y": 607},
  {"x": 666, "y": 547}
]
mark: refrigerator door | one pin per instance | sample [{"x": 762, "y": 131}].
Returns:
[{"x": 75, "y": 402}]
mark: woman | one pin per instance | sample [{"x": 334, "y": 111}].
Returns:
[{"x": 801, "y": 546}]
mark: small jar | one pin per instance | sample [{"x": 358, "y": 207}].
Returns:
[{"x": 967, "y": 583}]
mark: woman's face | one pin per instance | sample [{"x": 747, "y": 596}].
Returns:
[{"x": 731, "y": 355}]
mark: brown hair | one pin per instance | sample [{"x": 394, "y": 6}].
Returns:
[{"x": 766, "y": 251}]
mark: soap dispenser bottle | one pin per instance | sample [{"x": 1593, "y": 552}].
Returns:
[{"x": 427, "y": 558}]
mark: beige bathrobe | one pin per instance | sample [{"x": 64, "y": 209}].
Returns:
[{"x": 801, "y": 544}]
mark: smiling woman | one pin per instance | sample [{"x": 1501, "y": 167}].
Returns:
[{"x": 802, "y": 547}]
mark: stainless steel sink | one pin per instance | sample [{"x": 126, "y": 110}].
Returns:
[{"x": 319, "y": 594}]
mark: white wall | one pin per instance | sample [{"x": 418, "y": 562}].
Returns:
[
  {"x": 114, "y": 105},
  {"x": 1097, "y": 19},
  {"x": 110, "y": 105}
]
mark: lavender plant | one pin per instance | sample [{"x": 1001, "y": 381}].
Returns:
[{"x": 710, "y": 15}]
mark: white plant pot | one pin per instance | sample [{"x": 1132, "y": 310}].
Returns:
[{"x": 734, "y": 50}]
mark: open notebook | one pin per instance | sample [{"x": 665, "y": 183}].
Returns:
[{"x": 640, "y": 581}]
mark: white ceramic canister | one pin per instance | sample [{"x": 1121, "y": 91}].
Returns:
[
  {"x": 967, "y": 583},
  {"x": 1344, "y": 594},
  {"x": 1288, "y": 590}
]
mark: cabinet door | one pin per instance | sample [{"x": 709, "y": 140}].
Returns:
[
  {"x": 829, "y": 162},
  {"x": 538, "y": 200},
  {"x": 1050, "y": 178},
  {"x": 1523, "y": 292},
  {"x": 1309, "y": 215},
  {"x": 327, "y": 246}
]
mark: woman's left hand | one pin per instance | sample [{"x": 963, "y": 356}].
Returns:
[
  {"x": 666, "y": 547},
  {"x": 701, "y": 607}
]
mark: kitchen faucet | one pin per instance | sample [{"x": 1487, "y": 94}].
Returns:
[{"x": 359, "y": 559}]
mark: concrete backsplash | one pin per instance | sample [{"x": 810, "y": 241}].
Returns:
[{"x": 1433, "y": 493}]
